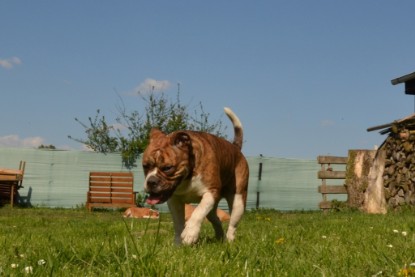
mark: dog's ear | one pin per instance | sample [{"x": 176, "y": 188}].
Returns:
[
  {"x": 155, "y": 133},
  {"x": 181, "y": 140}
]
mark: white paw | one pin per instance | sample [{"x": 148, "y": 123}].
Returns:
[
  {"x": 190, "y": 235},
  {"x": 230, "y": 234}
]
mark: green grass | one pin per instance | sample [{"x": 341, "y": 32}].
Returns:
[{"x": 61, "y": 242}]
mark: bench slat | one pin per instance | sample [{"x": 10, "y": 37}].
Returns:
[
  {"x": 111, "y": 179},
  {"x": 108, "y": 193},
  {"x": 116, "y": 186},
  {"x": 110, "y": 173}
]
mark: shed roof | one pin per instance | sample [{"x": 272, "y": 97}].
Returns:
[{"x": 403, "y": 79}]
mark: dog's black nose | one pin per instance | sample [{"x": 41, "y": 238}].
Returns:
[{"x": 152, "y": 182}]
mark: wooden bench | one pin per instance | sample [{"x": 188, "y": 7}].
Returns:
[
  {"x": 111, "y": 190},
  {"x": 327, "y": 172},
  {"x": 10, "y": 182}
]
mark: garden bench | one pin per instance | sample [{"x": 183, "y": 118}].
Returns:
[
  {"x": 111, "y": 190},
  {"x": 10, "y": 182}
]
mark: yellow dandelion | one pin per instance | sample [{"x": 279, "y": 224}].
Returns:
[
  {"x": 280, "y": 241},
  {"x": 406, "y": 272}
]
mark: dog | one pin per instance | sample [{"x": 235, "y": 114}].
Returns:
[
  {"x": 189, "y": 209},
  {"x": 138, "y": 212},
  {"x": 197, "y": 167}
]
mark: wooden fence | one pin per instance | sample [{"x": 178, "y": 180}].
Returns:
[{"x": 326, "y": 173}]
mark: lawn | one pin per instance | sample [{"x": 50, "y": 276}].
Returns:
[{"x": 74, "y": 242}]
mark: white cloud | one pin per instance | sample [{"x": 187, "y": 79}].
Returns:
[
  {"x": 151, "y": 85},
  {"x": 327, "y": 123},
  {"x": 118, "y": 126},
  {"x": 16, "y": 141},
  {"x": 10, "y": 62}
]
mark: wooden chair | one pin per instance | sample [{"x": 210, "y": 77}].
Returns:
[{"x": 11, "y": 181}]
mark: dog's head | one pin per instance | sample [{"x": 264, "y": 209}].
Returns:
[{"x": 166, "y": 162}]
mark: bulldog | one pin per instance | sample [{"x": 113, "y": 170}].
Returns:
[{"x": 197, "y": 167}]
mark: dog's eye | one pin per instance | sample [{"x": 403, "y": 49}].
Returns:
[
  {"x": 167, "y": 169},
  {"x": 146, "y": 167}
]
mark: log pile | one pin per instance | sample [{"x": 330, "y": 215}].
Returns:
[{"x": 399, "y": 171}]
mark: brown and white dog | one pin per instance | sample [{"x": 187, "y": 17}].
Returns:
[
  {"x": 189, "y": 167},
  {"x": 138, "y": 212}
]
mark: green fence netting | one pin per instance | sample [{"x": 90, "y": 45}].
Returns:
[{"x": 60, "y": 178}]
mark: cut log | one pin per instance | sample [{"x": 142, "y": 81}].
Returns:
[
  {"x": 374, "y": 197},
  {"x": 357, "y": 174}
]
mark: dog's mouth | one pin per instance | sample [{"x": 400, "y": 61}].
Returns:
[{"x": 157, "y": 198}]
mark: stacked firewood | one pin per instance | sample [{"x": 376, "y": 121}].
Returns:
[{"x": 399, "y": 171}]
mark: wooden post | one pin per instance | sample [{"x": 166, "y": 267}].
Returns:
[{"x": 259, "y": 180}]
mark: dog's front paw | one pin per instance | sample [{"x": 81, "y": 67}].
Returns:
[
  {"x": 190, "y": 235},
  {"x": 230, "y": 235}
]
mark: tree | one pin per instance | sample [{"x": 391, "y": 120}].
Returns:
[
  {"x": 131, "y": 141},
  {"x": 49, "y": 147}
]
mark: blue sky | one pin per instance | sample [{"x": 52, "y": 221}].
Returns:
[{"x": 305, "y": 77}]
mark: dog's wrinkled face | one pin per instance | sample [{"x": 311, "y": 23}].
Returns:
[{"x": 166, "y": 164}]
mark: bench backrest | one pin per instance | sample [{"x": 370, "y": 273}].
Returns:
[{"x": 114, "y": 188}]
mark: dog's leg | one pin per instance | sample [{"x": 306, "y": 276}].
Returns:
[
  {"x": 191, "y": 231},
  {"x": 216, "y": 223},
  {"x": 176, "y": 208},
  {"x": 238, "y": 208}
]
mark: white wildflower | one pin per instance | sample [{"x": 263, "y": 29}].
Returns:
[
  {"x": 14, "y": 265},
  {"x": 395, "y": 231},
  {"x": 323, "y": 237},
  {"x": 41, "y": 262},
  {"x": 389, "y": 245},
  {"x": 28, "y": 269},
  {"x": 404, "y": 233}
]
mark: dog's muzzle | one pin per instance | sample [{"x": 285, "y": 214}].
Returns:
[{"x": 157, "y": 194}]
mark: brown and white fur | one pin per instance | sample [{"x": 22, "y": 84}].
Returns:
[
  {"x": 189, "y": 209},
  {"x": 197, "y": 167},
  {"x": 138, "y": 212}
]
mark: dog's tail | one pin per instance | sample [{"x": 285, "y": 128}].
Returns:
[{"x": 237, "y": 126}]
